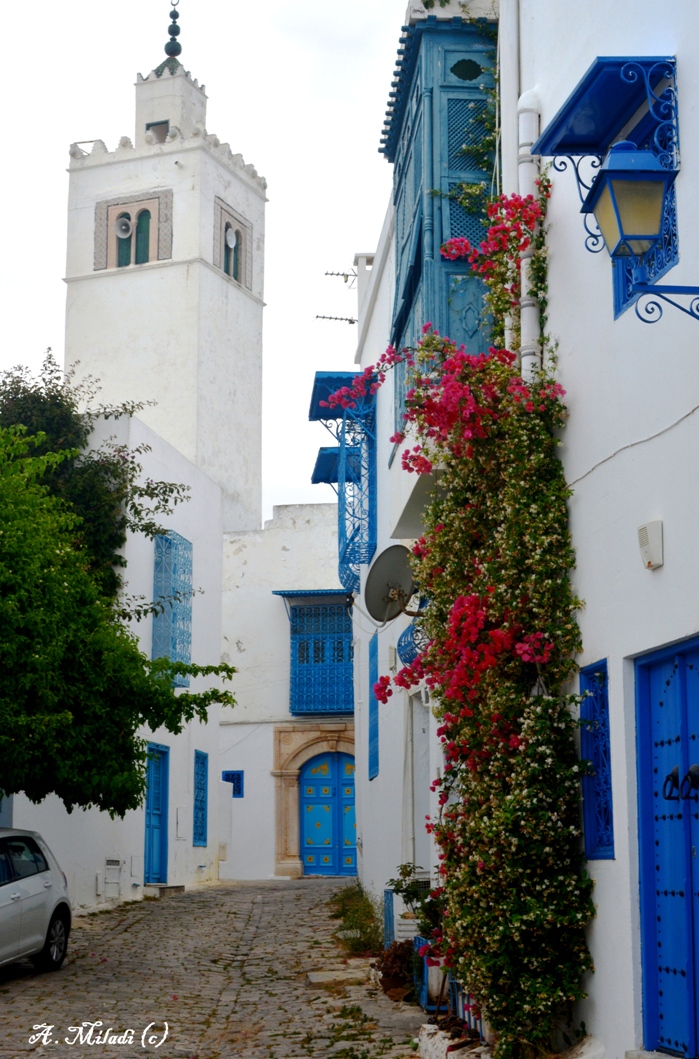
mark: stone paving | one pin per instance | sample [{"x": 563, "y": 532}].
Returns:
[{"x": 226, "y": 967}]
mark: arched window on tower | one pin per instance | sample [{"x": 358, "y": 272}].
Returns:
[
  {"x": 143, "y": 237},
  {"x": 124, "y": 237}
]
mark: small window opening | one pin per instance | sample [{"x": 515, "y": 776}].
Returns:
[
  {"x": 466, "y": 70},
  {"x": 231, "y": 253},
  {"x": 158, "y": 130},
  {"x": 124, "y": 232},
  {"x": 142, "y": 237}
]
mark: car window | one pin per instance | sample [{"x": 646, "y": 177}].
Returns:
[
  {"x": 27, "y": 858},
  {"x": 6, "y": 875}
]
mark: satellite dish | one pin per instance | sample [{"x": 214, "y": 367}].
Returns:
[
  {"x": 231, "y": 239},
  {"x": 389, "y": 584},
  {"x": 124, "y": 228}
]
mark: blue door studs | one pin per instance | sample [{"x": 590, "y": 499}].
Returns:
[
  {"x": 667, "y": 688},
  {"x": 328, "y": 828},
  {"x": 157, "y": 784}
]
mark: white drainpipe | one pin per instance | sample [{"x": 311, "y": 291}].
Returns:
[
  {"x": 530, "y": 349},
  {"x": 508, "y": 51}
]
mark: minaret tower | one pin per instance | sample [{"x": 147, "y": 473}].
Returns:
[{"x": 165, "y": 281}]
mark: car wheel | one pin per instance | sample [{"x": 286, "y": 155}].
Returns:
[{"x": 54, "y": 951}]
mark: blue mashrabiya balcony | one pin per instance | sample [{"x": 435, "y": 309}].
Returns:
[
  {"x": 350, "y": 467},
  {"x": 322, "y": 675}
]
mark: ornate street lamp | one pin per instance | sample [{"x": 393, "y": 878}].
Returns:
[{"x": 627, "y": 199}]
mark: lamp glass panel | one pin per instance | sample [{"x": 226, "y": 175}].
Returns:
[
  {"x": 640, "y": 206},
  {"x": 606, "y": 218}
]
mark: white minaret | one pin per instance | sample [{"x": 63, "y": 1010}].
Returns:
[{"x": 165, "y": 282}]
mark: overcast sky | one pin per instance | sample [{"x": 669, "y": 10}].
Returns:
[{"x": 298, "y": 88}]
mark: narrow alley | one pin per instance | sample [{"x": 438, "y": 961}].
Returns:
[{"x": 249, "y": 971}]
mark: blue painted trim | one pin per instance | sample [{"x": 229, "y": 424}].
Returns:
[
  {"x": 373, "y": 707},
  {"x": 236, "y": 777},
  {"x": 325, "y": 383},
  {"x": 200, "y": 824},
  {"x": 595, "y": 748},
  {"x": 294, "y": 593},
  {"x": 327, "y": 465},
  {"x": 608, "y": 103}
]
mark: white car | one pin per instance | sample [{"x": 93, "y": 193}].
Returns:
[{"x": 35, "y": 910}]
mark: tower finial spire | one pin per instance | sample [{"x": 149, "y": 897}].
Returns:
[{"x": 173, "y": 48}]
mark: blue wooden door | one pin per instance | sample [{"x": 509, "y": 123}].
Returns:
[
  {"x": 157, "y": 782},
  {"x": 328, "y": 828},
  {"x": 668, "y": 701}
]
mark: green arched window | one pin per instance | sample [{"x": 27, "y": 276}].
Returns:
[
  {"x": 227, "y": 254},
  {"x": 235, "y": 265},
  {"x": 123, "y": 243},
  {"x": 231, "y": 251},
  {"x": 142, "y": 237}
]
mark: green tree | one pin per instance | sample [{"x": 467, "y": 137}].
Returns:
[
  {"x": 104, "y": 485},
  {"x": 75, "y": 687}
]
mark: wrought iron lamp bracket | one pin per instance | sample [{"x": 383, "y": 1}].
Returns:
[
  {"x": 650, "y": 311},
  {"x": 593, "y": 239},
  {"x": 664, "y": 140}
]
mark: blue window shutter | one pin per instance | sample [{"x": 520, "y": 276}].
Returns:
[
  {"x": 143, "y": 237},
  {"x": 595, "y": 749},
  {"x": 201, "y": 798},
  {"x": 373, "y": 707},
  {"x": 172, "y": 629},
  {"x": 322, "y": 671}
]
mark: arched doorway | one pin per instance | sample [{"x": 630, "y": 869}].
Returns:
[{"x": 327, "y": 825}]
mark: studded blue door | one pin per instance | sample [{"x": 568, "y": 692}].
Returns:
[
  {"x": 668, "y": 723},
  {"x": 328, "y": 829},
  {"x": 157, "y": 782}
]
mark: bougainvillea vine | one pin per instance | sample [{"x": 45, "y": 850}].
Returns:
[{"x": 494, "y": 561}]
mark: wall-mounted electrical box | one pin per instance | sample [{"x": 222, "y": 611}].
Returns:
[{"x": 650, "y": 541}]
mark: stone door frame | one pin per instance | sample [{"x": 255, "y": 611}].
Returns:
[{"x": 295, "y": 743}]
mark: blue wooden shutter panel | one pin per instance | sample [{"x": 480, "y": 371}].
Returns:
[
  {"x": 201, "y": 798},
  {"x": 595, "y": 748},
  {"x": 373, "y": 707},
  {"x": 172, "y": 630}
]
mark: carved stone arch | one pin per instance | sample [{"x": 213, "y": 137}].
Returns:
[{"x": 296, "y": 743}]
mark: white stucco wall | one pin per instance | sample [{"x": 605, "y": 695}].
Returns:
[{"x": 297, "y": 549}]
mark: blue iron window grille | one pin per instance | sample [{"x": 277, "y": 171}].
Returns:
[
  {"x": 373, "y": 707},
  {"x": 321, "y": 659},
  {"x": 355, "y": 431},
  {"x": 201, "y": 798},
  {"x": 236, "y": 778},
  {"x": 595, "y": 749},
  {"x": 172, "y": 628}
]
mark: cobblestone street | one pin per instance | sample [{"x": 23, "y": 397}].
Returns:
[{"x": 227, "y": 968}]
